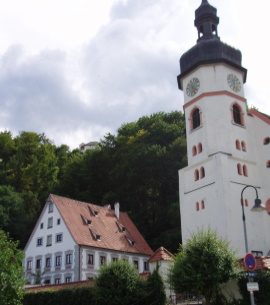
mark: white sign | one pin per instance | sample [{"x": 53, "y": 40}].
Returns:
[{"x": 252, "y": 286}]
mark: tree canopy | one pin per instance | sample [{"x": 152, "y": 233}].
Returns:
[
  {"x": 11, "y": 271},
  {"x": 202, "y": 264}
]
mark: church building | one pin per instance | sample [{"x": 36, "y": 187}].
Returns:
[{"x": 228, "y": 145}]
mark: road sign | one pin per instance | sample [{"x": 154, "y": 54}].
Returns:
[
  {"x": 252, "y": 286},
  {"x": 250, "y": 262}
]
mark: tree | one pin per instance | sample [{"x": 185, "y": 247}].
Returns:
[
  {"x": 202, "y": 264},
  {"x": 118, "y": 284},
  {"x": 156, "y": 288},
  {"x": 11, "y": 271}
]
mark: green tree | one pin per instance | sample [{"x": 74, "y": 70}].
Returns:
[
  {"x": 156, "y": 288},
  {"x": 202, "y": 264},
  {"x": 118, "y": 284},
  {"x": 11, "y": 271}
]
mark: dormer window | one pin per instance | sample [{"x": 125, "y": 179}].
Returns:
[
  {"x": 120, "y": 227},
  {"x": 131, "y": 242},
  {"x": 86, "y": 221},
  {"x": 95, "y": 236},
  {"x": 94, "y": 213}
]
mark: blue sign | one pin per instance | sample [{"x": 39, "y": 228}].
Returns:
[{"x": 250, "y": 262}]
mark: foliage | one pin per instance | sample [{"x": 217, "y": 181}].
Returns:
[
  {"x": 118, "y": 284},
  {"x": 156, "y": 288},
  {"x": 204, "y": 262},
  {"x": 262, "y": 296},
  {"x": 67, "y": 296},
  {"x": 11, "y": 271}
]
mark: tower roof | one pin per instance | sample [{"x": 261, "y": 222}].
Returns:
[{"x": 209, "y": 48}]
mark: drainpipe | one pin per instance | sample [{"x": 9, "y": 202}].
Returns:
[{"x": 79, "y": 265}]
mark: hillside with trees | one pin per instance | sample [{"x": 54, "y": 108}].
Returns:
[{"x": 137, "y": 167}]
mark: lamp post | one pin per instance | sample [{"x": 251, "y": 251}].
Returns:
[{"x": 258, "y": 207}]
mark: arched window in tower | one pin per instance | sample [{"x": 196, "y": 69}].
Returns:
[
  {"x": 237, "y": 144},
  {"x": 245, "y": 171},
  {"x": 199, "y": 148},
  {"x": 237, "y": 114},
  {"x": 197, "y": 206},
  {"x": 267, "y": 205},
  {"x": 196, "y": 119},
  {"x": 268, "y": 164},
  {"x": 202, "y": 205},
  {"x": 194, "y": 150},
  {"x": 243, "y": 144},
  {"x": 202, "y": 172},
  {"x": 266, "y": 141},
  {"x": 239, "y": 169},
  {"x": 196, "y": 175}
]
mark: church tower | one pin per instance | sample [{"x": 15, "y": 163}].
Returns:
[{"x": 221, "y": 142}]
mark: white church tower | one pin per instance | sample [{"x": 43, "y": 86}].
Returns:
[{"x": 227, "y": 147}]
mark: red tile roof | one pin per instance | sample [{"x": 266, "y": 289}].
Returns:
[
  {"x": 59, "y": 286},
  {"x": 264, "y": 117},
  {"x": 105, "y": 224},
  {"x": 161, "y": 254}
]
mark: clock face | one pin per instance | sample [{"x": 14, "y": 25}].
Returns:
[
  {"x": 234, "y": 82},
  {"x": 193, "y": 86}
]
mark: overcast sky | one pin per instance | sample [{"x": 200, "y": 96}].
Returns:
[{"x": 77, "y": 70}]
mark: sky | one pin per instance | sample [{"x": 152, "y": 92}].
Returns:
[{"x": 78, "y": 70}]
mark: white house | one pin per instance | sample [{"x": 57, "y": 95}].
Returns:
[
  {"x": 228, "y": 146},
  {"x": 72, "y": 239}
]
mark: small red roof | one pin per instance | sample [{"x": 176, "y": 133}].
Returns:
[
  {"x": 96, "y": 226},
  {"x": 262, "y": 263},
  {"x": 161, "y": 254}
]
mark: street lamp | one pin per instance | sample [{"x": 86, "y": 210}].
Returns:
[{"x": 258, "y": 207}]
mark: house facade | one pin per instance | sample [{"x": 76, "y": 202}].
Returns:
[
  {"x": 72, "y": 239},
  {"x": 228, "y": 146}
]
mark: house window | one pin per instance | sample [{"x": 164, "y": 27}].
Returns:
[
  {"x": 48, "y": 262},
  {"x": 58, "y": 260},
  {"x": 246, "y": 202},
  {"x": 68, "y": 279},
  {"x": 136, "y": 264},
  {"x": 257, "y": 253},
  {"x": 237, "y": 144},
  {"x": 58, "y": 221},
  {"x": 268, "y": 164},
  {"x": 59, "y": 237},
  {"x": 267, "y": 204},
  {"x": 146, "y": 266},
  {"x": 50, "y": 222},
  {"x": 196, "y": 120},
  {"x": 197, "y": 206},
  {"x": 47, "y": 281},
  {"x": 57, "y": 281},
  {"x": 194, "y": 150},
  {"x": 39, "y": 242},
  {"x": 49, "y": 241},
  {"x": 29, "y": 265},
  {"x": 114, "y": 259},
  {"x": 68, "y": 259},
  {"x": 245, "y": 171},
  {"x": 41, "y": 225},
  {"x": 102, "y": 260},
  {"x": 199, "y": 148},
  {"x": 50, "y": 207},
  {"x": 90, "y": 260},
  {"x": 38, "y": 263}
]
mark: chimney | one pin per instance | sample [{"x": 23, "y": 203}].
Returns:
[{"x": 117, "y": 209}]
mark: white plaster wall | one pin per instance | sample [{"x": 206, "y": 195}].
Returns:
[{"x": 34, "y": 251}]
